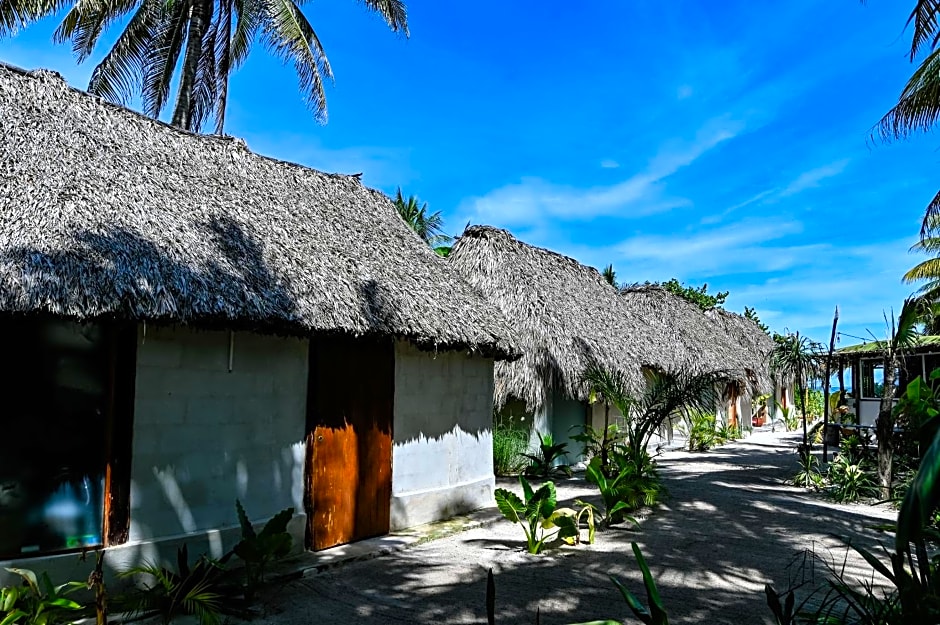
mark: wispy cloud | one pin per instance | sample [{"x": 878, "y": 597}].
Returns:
[
  {"x": 609, "y": 163},
  {"x": 812, "y": 178},
  {"x": 642, "y": 194}
]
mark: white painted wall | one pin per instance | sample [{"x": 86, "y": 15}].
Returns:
[
  {"x": 204, "y": 435},
  {"x": 442, "y": 459}
]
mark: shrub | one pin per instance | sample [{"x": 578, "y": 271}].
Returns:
[
  {"x": 537, "y": 514},
  {"x": 849, "y": 479},
  {"x": 542, "y": 462},
  {"x": 37, "y": 601},
  {"x": 509, "y": 447},
  {"x": 701, "y": 427}
]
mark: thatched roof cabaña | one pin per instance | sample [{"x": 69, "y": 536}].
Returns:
[
  {"x": 755, "y": 346},
  {"x": 567, "y": 317},
  {"x": 107, "y": 213}
]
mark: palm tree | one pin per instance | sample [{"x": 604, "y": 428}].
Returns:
[
  {"x": 194, "y": 44},
  {"x": 918, "y": 107},
  {"x": 796, "y": 358},
  {"x": 902, "y": 335},
  {"x": 430, "y": 227},
  {"x": 666, "y": 395},
  {"x": 610, "y": 275}
]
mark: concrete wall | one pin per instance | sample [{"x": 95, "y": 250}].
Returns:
[
  {"x": 442, "y": 459},
  {"x": 568, "y": 419},
  {"x": 205, "y": 435}
]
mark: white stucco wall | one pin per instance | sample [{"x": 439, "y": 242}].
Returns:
[
  {"x": 205, "y": 435},
  {"x": 442, "y": 459}
]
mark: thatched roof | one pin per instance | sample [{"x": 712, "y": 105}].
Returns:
[
  {"x": 566, "y": 317},
  {"x": 924, "y": 344},
  {"x": 107, "y": 213},
  {"x": 716, "y": 340}
]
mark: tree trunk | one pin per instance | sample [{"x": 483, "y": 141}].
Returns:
[
  {"x": 802, "y": 396},
  {"x": 884, "y": 428},
  {"x": 604, "y": 437},
  {"x": 186, "y": 96}
]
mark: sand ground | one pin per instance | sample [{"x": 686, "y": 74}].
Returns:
[{"x": 729, "y": 524}]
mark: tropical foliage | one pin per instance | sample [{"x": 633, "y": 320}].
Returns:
[
  {"x": 697, "y": 295},
  {"x": 191, "y": 46},
  {"x": 610, "y": 275},
  {"x": 545, "y": 461},
  {"x": 428, "y": 226},
  {"x": 796, "y": 358},
  {"x": 540, "y": 518},
  {"x": 37, "y": 601}
]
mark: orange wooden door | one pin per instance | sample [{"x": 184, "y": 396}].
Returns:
[{"x": 349, "y": 440}]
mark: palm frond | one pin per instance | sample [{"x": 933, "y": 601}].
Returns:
[
  {"x": 163, "y": 54},
  {"x": 610, "y": 385},
  {"x": 931, "y": 222},
  {"x": 86, "y": 20},
  {"x": 115, "y": 77},
  {"x": 918, "y": 108},
  {"x": 926, "y": 270},
  {"x": 16, "y": 14},
  {"x": 394, "y": 12},
  {"x": 205, "y": 98},
  {"x": 905, "y": 334},
  {"x": 291, "y": 37},
  {"x": 924, "y": 18}
]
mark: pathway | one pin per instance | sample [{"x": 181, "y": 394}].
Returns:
[{"x": 729, "y": 525}]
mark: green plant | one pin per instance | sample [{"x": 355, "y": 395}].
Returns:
[
  {"x": 542, "y": 463},
  {"x": 665, "y": 395},
  {"x": 727, "y": 433},
  {"x": 509, "y": 446},
  {"x": 259, "y": 549},
  {"x": 655, "y": 614},
  {"x": 631, "y": 488},
  {"x": 535, "y": 514},
  {"x": 37, "y": 601},
  {"x": 849, "y": 479},
  {"x": 791, "y": 420},
  {"x": 808, "y": 476},
  {"x": 198, "y": 589},
  {"x": 600, "y": 442},
  {"x": 701, "y": 430}
]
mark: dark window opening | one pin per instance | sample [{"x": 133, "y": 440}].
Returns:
[{"x": 57, "y": 383}]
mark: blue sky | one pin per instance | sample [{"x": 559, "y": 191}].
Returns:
[{"x": 726, "y": 143}]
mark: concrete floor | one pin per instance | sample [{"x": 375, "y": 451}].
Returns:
[{"x": 729, "y": 525}]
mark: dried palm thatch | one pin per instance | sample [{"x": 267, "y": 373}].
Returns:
[
  {"x": 567, "y": 317},
  {"x": 756, "y": 345},
  {"x": 107, "y": 213},
  {"x": 716, "y": 340}
]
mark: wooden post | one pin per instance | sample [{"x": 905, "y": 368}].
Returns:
[{"x": 832, "y": 347}]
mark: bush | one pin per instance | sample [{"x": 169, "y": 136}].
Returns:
[
  {"x": 509, "y": 445},
  {"x": 702, "y": 434}
]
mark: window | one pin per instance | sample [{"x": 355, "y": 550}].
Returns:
[
  {"x": 873, "y": 379},
  {"x": 57, "y": 381}
]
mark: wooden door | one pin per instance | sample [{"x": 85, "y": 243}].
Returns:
[{"x": 349, "y": 440}]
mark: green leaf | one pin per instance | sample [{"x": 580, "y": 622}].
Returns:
[
  {"x": 278, "y": 523},
  {"x": 543, "y": 502},
  {"x": 652, "y": 593},
  {"x": 27, "y": 575},
  {"x": 921, "y": 499},
  {"x": 874, "y": 562},
  {"x": 13, "y": 617},
  {"x": 510, "y": 505},
  {"x": 638, "y": 609},
  {"x": 248, "y": 531},
  {"x": 526, "y": 487},
  {"x": 63, "y": 602}
]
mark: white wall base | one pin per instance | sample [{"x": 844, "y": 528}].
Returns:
[{"x": 425, "y": 506}]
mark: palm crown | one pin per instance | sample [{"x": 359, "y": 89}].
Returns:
[{"x": 197, "y": 42}]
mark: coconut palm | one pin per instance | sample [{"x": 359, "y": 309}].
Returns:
[
  {"x": 610, "y": 275},
  {"x": 193, "y": 44},
  {"x": 902, "y": 335},
  {"x": 796, "y": 358},
  {"x": 429, "y": 226},
  {"x": 918, "y": 107},
  {"x": 666, "y": 395}
]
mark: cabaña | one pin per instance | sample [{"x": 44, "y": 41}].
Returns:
[{"x": 187, "y": 323}]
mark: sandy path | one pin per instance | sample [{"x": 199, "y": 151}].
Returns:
[{"x": 729, "y": 525}]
